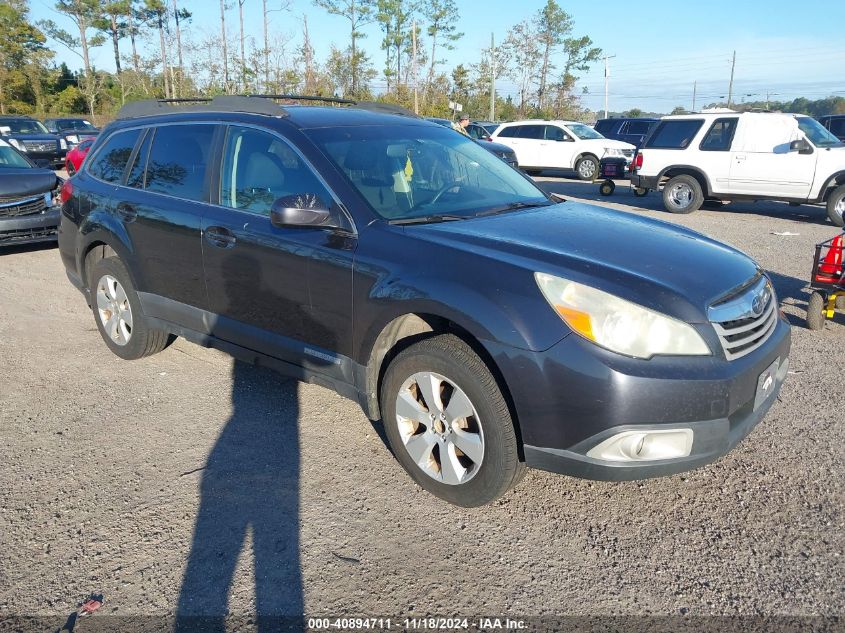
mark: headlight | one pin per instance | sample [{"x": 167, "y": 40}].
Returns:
[
  {"x": 617, "y": 324},
  {"x": 62, "y": 143},
  {"x": 612, "y": 151},
  {"x": 73, "y": 138},
  {"x": 17, "y": 144}
]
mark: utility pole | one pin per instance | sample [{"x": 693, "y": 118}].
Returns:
[
  {"x": 266, "y": 50},
  {"x": 770, "y": 94},
  {"x": 606, "y": 81},
  {"x": 225, "y": 52},
  {"x": 694, "y": 93},
  {"x": 731, "y": 85},
  {"x": 414, "y": 41},
  {"x": 492, "y": 78}
]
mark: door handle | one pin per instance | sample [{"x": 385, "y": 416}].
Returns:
[
  {"x": 740, "y": 158},
  {"x": 219, "y": 237},
  {"x": 126, "y": 212}
]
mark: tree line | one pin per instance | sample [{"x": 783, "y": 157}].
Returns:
[{"x": 158, "y": 55}]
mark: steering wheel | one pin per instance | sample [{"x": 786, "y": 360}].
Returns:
[{"x": 443, "y": 190}]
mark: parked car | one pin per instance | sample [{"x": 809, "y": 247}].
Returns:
[
  {"x": 631, "y": 131},
  {"x": 76, "y": 155},
  {"x": 32, "y": 138},
  {"x": 747, "y": 156},
  {"x": 502, "y": 151},
  {"x": 28, "y": 209},
  {"x": 73, "y": 130},
  {"x": 559, "y": 145},
  {"x": 478, "y": 132},
  {"x": 835, "y": 123},
  {"x": 398, "y": 263},
  {"x": 490, "y": 126}
]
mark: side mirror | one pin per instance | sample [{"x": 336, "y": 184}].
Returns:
[
  {"x": 565, "y": 138},
  {"x": 300, "y": 210},
  {"x": 801, "y": 146}
]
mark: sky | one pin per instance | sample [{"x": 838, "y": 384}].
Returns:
[{"x": 661, "y": 48}]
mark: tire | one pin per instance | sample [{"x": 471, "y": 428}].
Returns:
[
  {"x": 487, "y": 427},
  {"x": 71, "y": 170},
  {"x": 816, "y": 311},
  {"x": 640, "y": 192},
  {"x": 607, "y": 188},
  {"x": 682, "y": 194},
  {"x": 836, "y": 206},
  {"x": 587, "y": 167},
  {"x": 112, "y": 293}
]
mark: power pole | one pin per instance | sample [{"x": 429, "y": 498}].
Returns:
[
  {"x": 492, "y": 78},
  {"x": 225, "y": 52},
  {"x": 266, "y": 50},
  {"x": 731, "y": 85},
  {"x": 694, "y": 94},
  {"x": 414, "y": 41},
  {"x": 606, "y": 81}
]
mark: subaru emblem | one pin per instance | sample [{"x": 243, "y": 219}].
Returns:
[{"x": 757, "y": 304}]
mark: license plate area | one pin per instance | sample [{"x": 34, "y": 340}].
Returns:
[{"x": 766, "y": 384}]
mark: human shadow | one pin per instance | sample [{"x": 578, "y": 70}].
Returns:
[{"x": 249, "y": 487}]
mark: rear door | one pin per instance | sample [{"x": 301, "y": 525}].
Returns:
[
  {"x": 762, "y": 163},
  {"x": 714, "y": 153},
  {"x": 511, "y": 136}
]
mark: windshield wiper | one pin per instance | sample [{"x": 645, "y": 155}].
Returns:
[
  {"x": 513, "y": 206},
  {"x": 428, "y": 219}
]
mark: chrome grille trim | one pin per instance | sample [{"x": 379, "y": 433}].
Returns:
[
  {"x": 40, "y": 146},
  {"x": 741, "y": 331}
]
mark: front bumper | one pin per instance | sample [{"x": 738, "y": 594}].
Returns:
[
  {"x": 28, "y": 229},
  {"x": 575, "y": 395},
  {"x": 54, "y": 160}
]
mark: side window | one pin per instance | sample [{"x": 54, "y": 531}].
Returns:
[
  {"x": 136, "y": 173},
  {"x": 110, "y": 161},
  {"x": 837, "y": 127},
  {"x": 674, "y": 134},
  {"x": 719, "y": 136},
  {"x": 178, "y": 159},
  {"x": 510, "y": 132},
  {"x": 603, "y": 126},
  {"x": 258, "y": 168},
  {"x": 533, "y": 131},
  {"x": 637, "y": 127},
  {"x": 554, "y": 133}
]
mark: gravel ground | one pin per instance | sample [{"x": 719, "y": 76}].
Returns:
[{"x": 186, "y": 480}]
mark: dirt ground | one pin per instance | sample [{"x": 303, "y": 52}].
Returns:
[{"x": 186, "y": 481}]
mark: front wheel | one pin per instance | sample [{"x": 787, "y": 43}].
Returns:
[
  {"x": 682, "y": 194},
  {"x": 836, "y": 206},
  {"x": 586, "y": 167},
  {"x": 816, "y": 311},
  {"x": 448, "y": 424},
  {"x": 607, "y": 188}
]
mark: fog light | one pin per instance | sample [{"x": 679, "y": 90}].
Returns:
[{"x": 638, "y": 446}]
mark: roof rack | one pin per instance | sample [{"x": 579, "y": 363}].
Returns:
[{"x": 253, "y": 104}]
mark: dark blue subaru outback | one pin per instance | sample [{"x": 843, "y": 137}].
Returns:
[{"x": 361, "y": 248}]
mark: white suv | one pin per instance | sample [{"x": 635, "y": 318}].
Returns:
[
  {"x": 559, "y": 145},
  {"x": 743, "y": 156}
]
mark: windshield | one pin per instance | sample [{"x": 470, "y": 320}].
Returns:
[
  {"x": 22, "y": 126},
  {"x": 816, "y": 133},
  {"x": 10, "y": 158},
  {"x": 415, "y": 171},
  {"x": 583, "y": 131},
  {"x": 74, "y": 124}
]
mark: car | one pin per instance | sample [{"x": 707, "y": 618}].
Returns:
[
  {"x": 835, "y": 123},
  {"x": 502, "y": 151},
  {"x": 743, "y": 156},
  {"x": 478, "y": 132},
  {"x": 29, "y": 210},
  {"x": 32, "y": 138},
  {"x": 489, "y": 126},
  {"x": 566, "y": 145},
  {"x": 76, "y": 155},
  {"x": 630, "y": 130},
  {"x": 363, "y": 249},
  {"x": 73, "y": 130}
]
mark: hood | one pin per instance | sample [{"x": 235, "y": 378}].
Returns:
[
  {"x": 492, "y": 146},
  {"x": 26, "y": 182},
  {"x": 609, "y": 142},
  {"x": 656, "y": 264}
]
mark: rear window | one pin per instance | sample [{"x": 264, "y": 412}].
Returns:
[
  {"x": 637, "y": 127},
  {"x": 837, "y": 126},
  {"x": 604, "y": 126},
  {"x": 674, "y": 134},
  {"x": 110, "y": 161}
]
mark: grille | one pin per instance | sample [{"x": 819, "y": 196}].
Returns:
[
  {"x": 25, "y": 235},
  {"x": 628, "y": 153},
  {"x": 21, "y": 206},
  {"x": 40, "y": 146},
  {"x": 741, "y": 330}
]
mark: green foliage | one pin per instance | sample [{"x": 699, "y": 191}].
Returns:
[{"x": 68, "y": 101}]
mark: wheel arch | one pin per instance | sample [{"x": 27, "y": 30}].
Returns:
[
  {"x": 687, "y": 170},
  {"x": 583, "y": 154},
  {"x": 100, "y": 241},
  {"x": 834, "y": 180}
]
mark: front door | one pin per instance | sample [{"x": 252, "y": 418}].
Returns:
[
  {"x": 259, "y": 276},
  {"x": 556, "y": 150}
]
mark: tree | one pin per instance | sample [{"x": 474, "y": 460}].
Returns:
[
  {"x": 553, "y": 24},
  {"x": 21, "y": 44},
  {"x": 223, "y": 41},
  {"x": 679, "y": 110},
  {"x": 634, "y": 113},
  {"x": 156, "y": 14},
  {"x": 358, "y": 13},
  {"x": 521, "y": 46},
  {"x": 179, "y": 16},
  {"x": 112, "y": 22},
  {"x": 442, "y": 16}
]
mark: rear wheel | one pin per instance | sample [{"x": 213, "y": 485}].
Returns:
[
  {"x": 682, "y": 194},
  {"x": 607, "y": 188},
  {"x": 836, "y": 206},
  {"x": 587, "y": 167},
  {"x": 448, "y": 423},
  {"x": 117, "y": 312},
  {"x": 816, "y": 311},
  {"x": 640, "y": 192}
]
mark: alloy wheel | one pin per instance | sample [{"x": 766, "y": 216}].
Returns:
[
  {"x": 681, "y": 195},
  {"x": 114, "y": 310}
]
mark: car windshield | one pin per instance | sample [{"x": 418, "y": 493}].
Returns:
[
  {"x": 9, "y": 158},
  {"x": 418, "y": 171},
  {"x": 75, "y": 124},
  {"x": 22, "y": 126},
  {"x": 817, "y": 134},
  {"x": 583, "y": 131}
]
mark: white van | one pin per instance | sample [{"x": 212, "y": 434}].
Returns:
[
  {"x": 743, "y": 156},
  {"x": 559, "y": 145}
]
